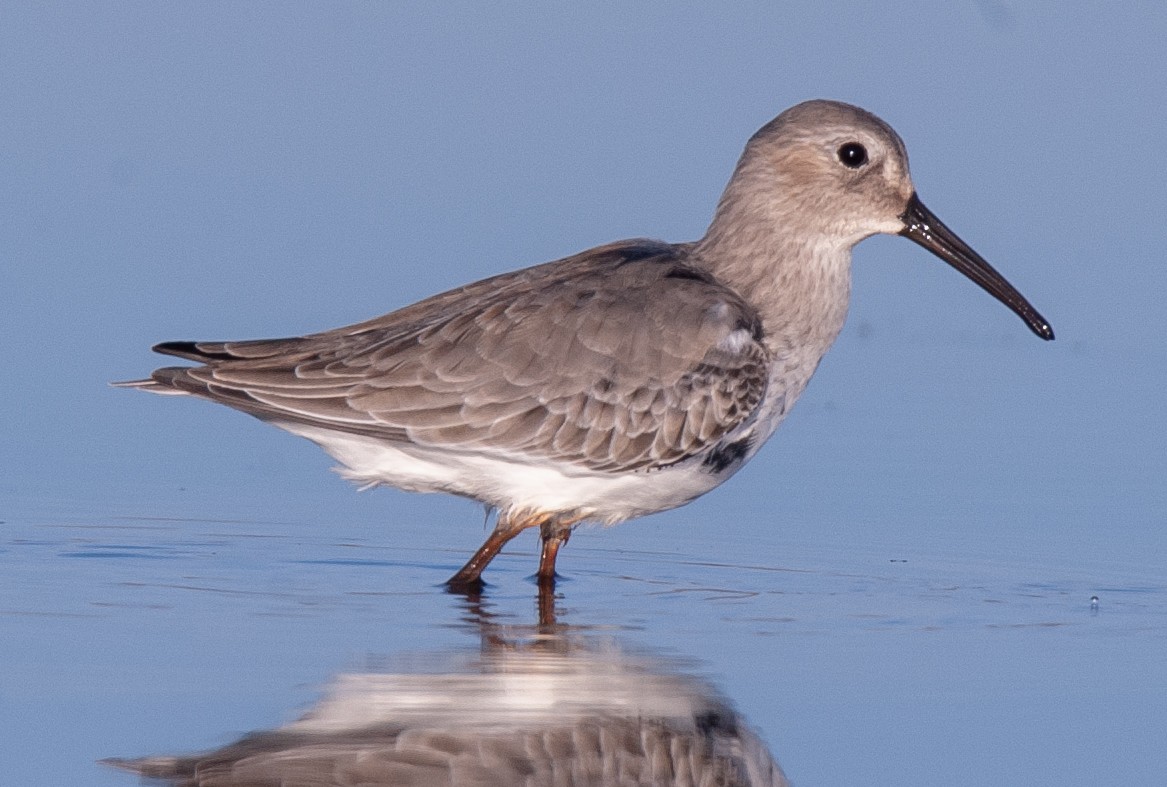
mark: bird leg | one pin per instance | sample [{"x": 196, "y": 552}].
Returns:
[
  {"x": 548, "y": 619},
  {"x": 554, "y": 534},
  {"x": 469, "y": 577}
]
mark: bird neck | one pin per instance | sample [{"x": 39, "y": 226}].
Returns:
[{"x": 799, "y": 280}]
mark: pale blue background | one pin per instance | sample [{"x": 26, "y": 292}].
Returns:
[{"x": 234, "y": 170}]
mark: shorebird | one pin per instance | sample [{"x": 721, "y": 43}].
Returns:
[
  {"x": 625, "y": 380},
  {"x": 566, "y": 713}
]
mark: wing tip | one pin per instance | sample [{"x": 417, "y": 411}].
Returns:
[
  {"x": 193, "y": 351},
  {"x": 147, "y": 767}
]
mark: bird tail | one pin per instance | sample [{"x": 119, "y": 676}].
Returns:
[{"x": 161, "y": 386}]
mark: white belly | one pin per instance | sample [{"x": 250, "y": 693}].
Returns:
[{"x": 512, "y": 484}]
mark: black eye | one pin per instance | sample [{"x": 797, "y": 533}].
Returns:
[{"x": 853, "y": 155}]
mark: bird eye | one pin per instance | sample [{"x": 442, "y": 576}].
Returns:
[{"x": 853, "y": 155}]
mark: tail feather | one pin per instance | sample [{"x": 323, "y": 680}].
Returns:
[
  {"x": 177, "y": 380},
  {"x": 149, "y": 767},
  {"x": 157, "y": 386}
]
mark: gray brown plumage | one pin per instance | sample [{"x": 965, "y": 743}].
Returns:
[
  {"x": 523, "y": 719},
  {"x": 621, "y": 381},
  {"x": 574, "y": 362}
]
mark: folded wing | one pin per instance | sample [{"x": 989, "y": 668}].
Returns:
[{"x": 625, "y": 357}]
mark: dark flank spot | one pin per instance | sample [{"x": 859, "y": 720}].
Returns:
[
  {"x": 713, "y": 722},
  {"x": 727, "y": 455}
]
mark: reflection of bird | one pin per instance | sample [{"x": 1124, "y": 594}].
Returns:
[
  {"x": 570, "y": 718},
  {"x": 625, "y": 380}
]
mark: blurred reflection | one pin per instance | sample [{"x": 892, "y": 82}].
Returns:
[{"x": 535, "y": 705}]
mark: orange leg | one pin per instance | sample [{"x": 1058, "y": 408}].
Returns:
[
  {"x": 548, "y": 620},
  {"x": 554, "y": 535},
  {"x": 469, "y": 577}
]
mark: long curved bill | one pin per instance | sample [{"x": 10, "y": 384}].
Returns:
[{"x": 922, "y": 226}]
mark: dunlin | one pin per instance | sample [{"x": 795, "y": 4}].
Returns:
[
  {"x": 627, "y": 379},
  {"x": 562, "y": 712}
]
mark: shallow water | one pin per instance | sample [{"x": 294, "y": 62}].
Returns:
[{"x": 128, "y": 637}]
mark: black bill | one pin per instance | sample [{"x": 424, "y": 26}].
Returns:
[{"x": 924, "y": 228}]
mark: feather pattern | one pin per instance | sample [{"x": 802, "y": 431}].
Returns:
[{"x": 621, "y": 358}]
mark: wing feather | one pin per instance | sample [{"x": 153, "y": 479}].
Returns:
[{"x": 611, "y": 360}]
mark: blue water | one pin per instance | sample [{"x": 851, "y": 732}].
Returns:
[{"x": 128, "y": 637}]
